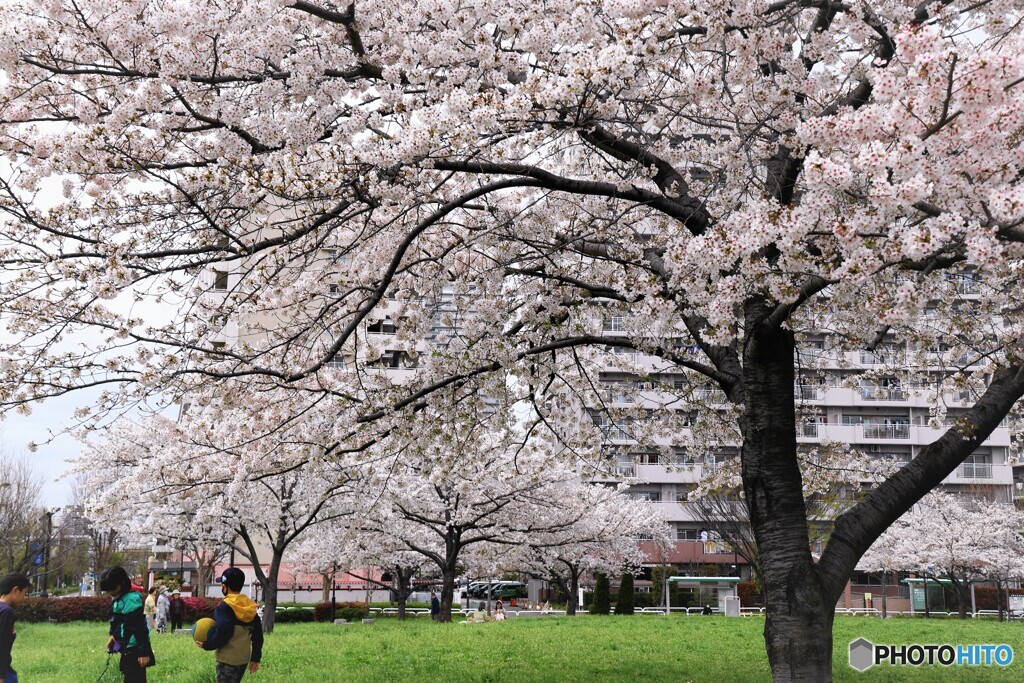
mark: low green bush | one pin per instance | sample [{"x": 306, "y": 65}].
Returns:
[
  {"x": 293, "y": 615},
  {"x": 353, "y": 610}
]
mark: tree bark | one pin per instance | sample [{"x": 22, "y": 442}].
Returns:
[
  {"x": 270, "y": 593},
  {"x": 402, "y": 590},
  {"x": 963, "y": 596},
  {"x": 574, "y": 590},
  {"x": 447, "y": 593},
  {"x": 800, "y": 606}
]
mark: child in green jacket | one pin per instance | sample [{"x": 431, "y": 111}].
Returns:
[{"x": 129, "y": 634}]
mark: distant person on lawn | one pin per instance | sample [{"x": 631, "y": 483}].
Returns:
[
  {"x": 129, "y": 633},
  {"x": 150, "y": 608},
  {"x": 435, "y": 607},
  {"x": 238, "y": 634},
  {"x": 163, "y": 605},
  {"x": 176, "y": 611},
  {"x": 13, "y": 591}
]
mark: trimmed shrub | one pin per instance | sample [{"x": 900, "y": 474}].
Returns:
[
  {"x": 199, "y": 608},
  {"x": 293, "y": 615},
  {"x": 355, "y": 610},
  {"x": 747, "y": 591},
  {"x": 988, "y": 597},
  {"x": 63, "y": 610},
  {"x": 625, "y": 603},
  {"x": 602, "y": 599},
  {"x": 643, "y": 599}
]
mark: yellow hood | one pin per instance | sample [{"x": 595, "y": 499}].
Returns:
[{"x": 244, "y": 608}]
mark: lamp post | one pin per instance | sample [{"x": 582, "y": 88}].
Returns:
[
  {"x": 334, "y": 590},
  {"x": 46, "y": 550}
]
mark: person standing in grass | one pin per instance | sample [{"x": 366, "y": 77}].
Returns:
[
  {"x": 150, "y": 608},
  {"x": 435, "y": 607},
  {"x": 13, "y": 591},
  {"x": 237, "y": 635},
  {"x": 162, "y": 607},
  {"x": 176, "y": 611},
  {"x": 129, "y": 633}
]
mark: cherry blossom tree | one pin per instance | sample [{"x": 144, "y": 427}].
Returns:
[
  {"x": 962, "y": 538},
  {"x": 480, "y": 487},
  {"x": 197, "y": 496},
  {"x": 347, "y": 548},
  {"x": 722, "y": 179},
  {"x": 605, "y": 539}
]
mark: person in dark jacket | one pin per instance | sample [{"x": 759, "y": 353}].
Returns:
[
  {"x": 176, "y": 611},
  {"x": 237, "y": 635},
  {"x": 435, "y": 607},
  {"x": 129, "y": 633},
  {"x": 13, "y": 591}
]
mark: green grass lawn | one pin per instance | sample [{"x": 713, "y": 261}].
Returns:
[{"x": 639, "y": 648}]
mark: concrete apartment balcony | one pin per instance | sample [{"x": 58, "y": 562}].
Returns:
[
  {"x": 673, "y": 511},
  {"x": 985, "y": 474},
  {"x": 673, "y": 474},
  {"x": 1000, "y": 436}
]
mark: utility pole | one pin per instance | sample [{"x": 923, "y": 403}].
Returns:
[
  {"x": 46, "y": 552},
  {"x": 334, "y": 590}
]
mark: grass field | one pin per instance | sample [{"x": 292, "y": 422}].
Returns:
[{"x": 640, "y": 648}]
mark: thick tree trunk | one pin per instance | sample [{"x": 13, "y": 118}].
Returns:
[
  {"x": 401, "y": 593},
  {"x": 270, "y": 593},
  {"x": 800, "y": 603},
  {"x": 963, "y": 597},
  {"x": 447, "y": 593},
  {"x": 574, "y": 591},
  {"x": 325, "y": 587}
]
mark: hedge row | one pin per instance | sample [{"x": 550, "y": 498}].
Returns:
[
  {"x": 352, "y": 611},
  {"x": 293, "y": 615},
  {"x": 62, "y": 610}
]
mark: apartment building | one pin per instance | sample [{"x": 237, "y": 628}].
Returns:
[{"x": 857, "y": 399}]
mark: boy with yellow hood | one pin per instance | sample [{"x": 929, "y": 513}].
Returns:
[{"x": 238, "y": 634}]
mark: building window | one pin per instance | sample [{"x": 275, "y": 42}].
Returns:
[
  {"x": 388, "y": 359},
  {"x": 220, "y": 280},
  {"x": 976, "y": 466},
  {"x": 385, "y": 326},
  {"x": 336, "y": 361},
  {"x": 685, "y": 534},
  {"x": 615, "y": 323},
  {"x": 649, "y": 496}
]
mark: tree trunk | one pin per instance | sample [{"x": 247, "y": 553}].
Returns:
[
  {"x": 800, "y": 602},
  {"x": 574, "y": 591},
  {"x": 447, "y": 593},
  {"x": 963, "y": 597},
  {"x": 401, "y": 594},
  {"x": 325, "y": 588},
  {"x": 270, "y": 593}
]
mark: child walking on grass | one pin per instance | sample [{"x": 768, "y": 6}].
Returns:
[{"x": 129, "y": 633}]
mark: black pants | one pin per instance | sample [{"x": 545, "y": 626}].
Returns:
[
  {"x": 229, "y": 673},
  {"x": 175, "y": 624},
  {"x": 130, "y": 669}
]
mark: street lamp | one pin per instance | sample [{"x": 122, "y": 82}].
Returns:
[
  {"x": 46, "y": 550},
  {"x": 334, "y": 590}
]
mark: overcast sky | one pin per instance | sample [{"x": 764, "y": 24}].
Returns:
[{"x": 49, "y": 461}]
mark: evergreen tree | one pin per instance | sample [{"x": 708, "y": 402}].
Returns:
[
  {"x": 625, "y": 602},
  {"x": 602, "y": 599}
]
